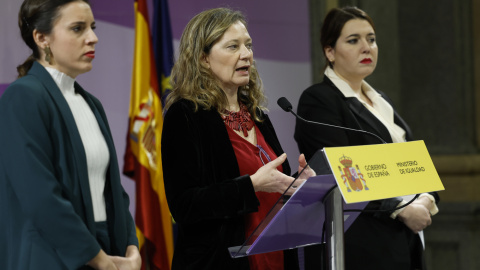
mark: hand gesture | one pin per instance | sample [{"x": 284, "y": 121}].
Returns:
[
  {"x": 302, "y": 176},
  {"x": 307, "y": 173},
  {"x": 269, "y": 179}
]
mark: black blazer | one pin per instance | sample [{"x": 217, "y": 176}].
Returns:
[
  {"x": 325, "y": 103},
  {"x": 46, "y": 211},
  {"x": 207, "y": 196},
  {"x": 371, "y": 235}
]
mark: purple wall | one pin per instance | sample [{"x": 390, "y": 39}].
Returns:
[
  {"x": 119, "y": 12},
  {"x": 2, "y": 88},
  {"x": 279, "y": 29}
]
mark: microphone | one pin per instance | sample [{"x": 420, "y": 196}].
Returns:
[
  {"x": 287, "y": 106},
  {"x": 284, "y": 104}
]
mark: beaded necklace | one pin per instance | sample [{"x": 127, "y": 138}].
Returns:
[{"x": 239, "y": 121}]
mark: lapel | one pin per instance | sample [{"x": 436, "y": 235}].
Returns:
[
  {"x": 101, "y": 119},
  {"x": 266, "y": 132},
  {"x": 71, "y": 131},
  {"x": 217, "y": 134},
  {"x": 399, "y": 121},
  {"x": 359, "y": 111},
  {"x": 363, "y": 113},
  {"x": 113, "y": 171}
]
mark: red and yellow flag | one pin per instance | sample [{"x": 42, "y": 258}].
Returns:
[{"x": 142, "y": 156}]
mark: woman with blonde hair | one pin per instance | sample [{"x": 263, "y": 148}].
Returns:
[{"x": 223, "y": 165}]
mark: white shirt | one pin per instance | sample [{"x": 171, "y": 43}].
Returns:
[{"x": 96, "y": 149}]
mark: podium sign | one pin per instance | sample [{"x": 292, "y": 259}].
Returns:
[{"x": 373, "y": 172}]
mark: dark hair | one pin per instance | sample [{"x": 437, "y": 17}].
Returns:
[
  {"x": 39, "y": 15},
  {"x": 334, "y": 22}
]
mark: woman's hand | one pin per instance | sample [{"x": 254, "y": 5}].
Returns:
[
  {"x": 307, "y": 173},
  {"x": 131, "y": 261},
  {"x": 416, "y": 216},
  {"x": 102, "y": 262},
  {"x": 302, "y": 176},
  {"x": 269, "y": 179}
]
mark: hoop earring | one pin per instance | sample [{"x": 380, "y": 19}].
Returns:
[{"x": 48, "y": 54}]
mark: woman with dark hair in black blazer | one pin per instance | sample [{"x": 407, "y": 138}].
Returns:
[
  {"x": 384, "y": 240},
  {"x": 62, "y": 205}
]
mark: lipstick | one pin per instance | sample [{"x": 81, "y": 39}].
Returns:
[
  {"x": 90, "y": 54},
  {"x": 366, "y": 61}
]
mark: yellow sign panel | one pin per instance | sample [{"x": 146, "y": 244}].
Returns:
[{"x": 373, "y": 172}]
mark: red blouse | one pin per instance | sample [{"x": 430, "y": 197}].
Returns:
[{"x": 249, "y": 158}]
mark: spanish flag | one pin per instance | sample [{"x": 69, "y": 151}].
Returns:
[{"x": 142, "y": 156}]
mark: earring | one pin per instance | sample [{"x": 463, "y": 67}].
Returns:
[{"x": 48, "y": 54}]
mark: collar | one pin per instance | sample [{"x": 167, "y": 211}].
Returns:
[
  {"x": 347, "y": 91},
  {"x": 381, "y": 109},
  {"x": 64, "y": 82}
]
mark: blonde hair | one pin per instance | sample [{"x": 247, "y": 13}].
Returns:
[{"x": 192, "y": 81}]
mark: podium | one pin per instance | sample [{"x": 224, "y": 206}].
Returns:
[
  {"x": 391, "y": 170},
  {"x": 298, "y": 220}
]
